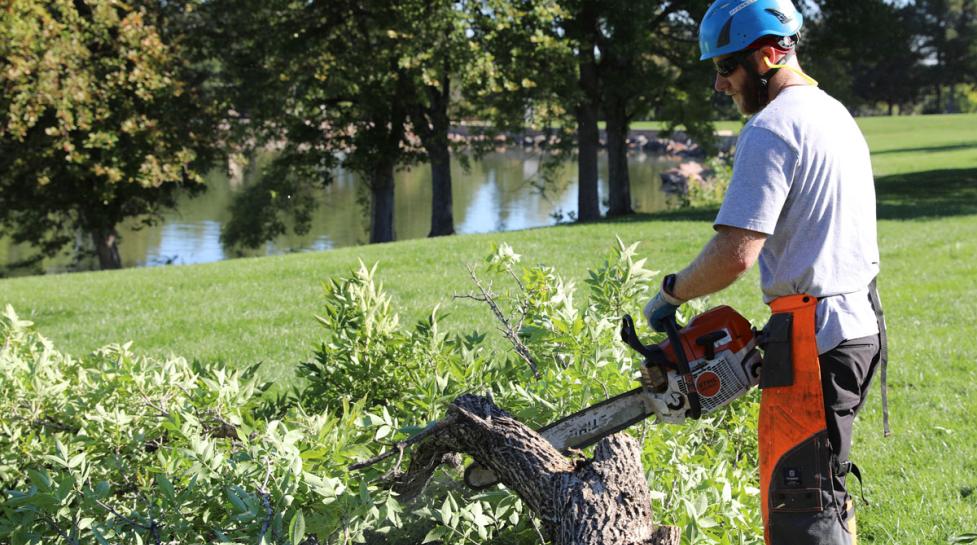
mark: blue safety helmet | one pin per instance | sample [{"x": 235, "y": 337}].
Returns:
[{"x": 732, "y": 25}]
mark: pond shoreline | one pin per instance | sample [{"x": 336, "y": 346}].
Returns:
[{"x": 678, "y": 143}]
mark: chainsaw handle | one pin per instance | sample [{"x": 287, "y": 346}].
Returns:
[{"x": 671, "y": 329}]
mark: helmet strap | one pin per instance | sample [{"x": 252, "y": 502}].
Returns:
[
  {"x": 774, "y": 68},
  {"x": 763, "y": 80},
  {"x": 783, "y": 64}
]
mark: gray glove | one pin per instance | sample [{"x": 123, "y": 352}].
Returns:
[{"x": 663, "y": 306}]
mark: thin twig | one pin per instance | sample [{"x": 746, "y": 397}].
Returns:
[
  {"x": 395, "y": 469},
  {"x": 538, "y": 531},
  {"x": 400, "y": 446},
  {"x": 153, "y": 526},
  {"x": 162, "y": 412},
  {"x": 266, "y": 502},
  {"x": 53, "y": 425},
  {"x": 516, "y": 278},
  {"x": 51, "y": 522},
  {"x": 128, "y": 520},
  {"x": 510, "y": 331}
]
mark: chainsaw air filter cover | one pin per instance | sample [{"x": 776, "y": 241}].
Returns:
[{"x": 720, "y": 346}]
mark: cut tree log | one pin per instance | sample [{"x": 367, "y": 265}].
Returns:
[{"x": 602, "y": 500}]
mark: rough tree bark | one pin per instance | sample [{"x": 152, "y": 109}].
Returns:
[{"x": 602, "y": 500}]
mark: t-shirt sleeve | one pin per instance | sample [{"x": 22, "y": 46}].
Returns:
[{"x": 762, "y": 173}]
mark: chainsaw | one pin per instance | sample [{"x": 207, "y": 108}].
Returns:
[{"x": 695, "y": 371}]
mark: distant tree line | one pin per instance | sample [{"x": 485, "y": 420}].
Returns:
[
  {"x": 108, "y": 109},
  {"x": 880, "y": 56}
]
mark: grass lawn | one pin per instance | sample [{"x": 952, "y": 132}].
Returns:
[
  {"x": 733, "y": 126},
  {"x": 922, "y": 482}
]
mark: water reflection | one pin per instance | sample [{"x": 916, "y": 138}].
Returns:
[{"x": 500, "y": 192}]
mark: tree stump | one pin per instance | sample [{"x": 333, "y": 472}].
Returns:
[{"x": 602, "y": 500}]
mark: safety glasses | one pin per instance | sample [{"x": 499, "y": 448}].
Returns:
[{"x": 726, "y": 67}]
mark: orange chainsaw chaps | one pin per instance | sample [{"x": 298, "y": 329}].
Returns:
[{"x": 794, "y": 414}]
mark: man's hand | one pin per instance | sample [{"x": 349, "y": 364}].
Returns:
[{"x": 663, "y": 306}]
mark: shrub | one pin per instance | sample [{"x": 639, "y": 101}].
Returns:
[
  {"x": 710, "y": 190},
  {"x": 115, "y": 447},
  {"x": 119, "y": 448}
]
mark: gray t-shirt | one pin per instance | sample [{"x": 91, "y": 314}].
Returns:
[{"x": 802, "y": 175}]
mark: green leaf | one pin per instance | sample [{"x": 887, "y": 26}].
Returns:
[
  {"x": 436, "y": 534},
  {"x": 232, "y": 495},
  {"x": 167, "y": 487},
  {"x": 99, "y": 537},
  {"x": 445, "y": 511},
  {"x": 707, "y": 522},
  {"x": 76, "y": 460},
  {"x": 102, "y": 488},
  {"x": 41, "y": 479},
  {"x": 296, "y": 528}
]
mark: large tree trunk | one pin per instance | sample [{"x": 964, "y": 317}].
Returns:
[
  {"x": 382, "y": 204},
  {"x": 106, "y": 241},
  {"x": 432, "y": 124},
  {"x": 588, "y": 134},
  {"x": 618, "y": 180},
  {"x": 442, "y": 215},
  {"x": 603, "y": 500}
]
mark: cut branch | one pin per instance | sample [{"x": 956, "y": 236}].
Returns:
[
  {"x": 401, "y": 445},
  {"x": 601, "y": 500}
]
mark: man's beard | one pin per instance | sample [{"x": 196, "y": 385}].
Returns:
[{"x": 750, "y": 97}]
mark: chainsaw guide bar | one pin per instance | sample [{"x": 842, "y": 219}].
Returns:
[{"x": 580, "y": 429}]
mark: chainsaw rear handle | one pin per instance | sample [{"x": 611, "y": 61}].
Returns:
[{"x": 629, "y": 336}]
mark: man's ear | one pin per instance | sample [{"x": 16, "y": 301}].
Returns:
[{"x": 766, "y": 56}]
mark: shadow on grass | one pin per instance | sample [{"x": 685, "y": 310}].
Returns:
[
  {"x": 929, "y": 194},
  {"x": 931, "y": 149}
]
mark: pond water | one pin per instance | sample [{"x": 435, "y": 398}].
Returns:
[{"x": 500, "y": 192}]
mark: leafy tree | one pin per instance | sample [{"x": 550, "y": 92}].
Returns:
[
  {"x": 649, "y": 62},
  {"x": 99, "y": 122},
  {"x": 862, "y": 52},
  {"x": 621, "y": 60},
  {"x": 946, "y": 33},
  {"x": 321, "y": 82},
  {"x": 371, "y": 86},
  {"x": 582, "y": 28},
  {"x": 437, "y": 51}
]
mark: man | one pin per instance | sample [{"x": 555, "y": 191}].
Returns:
[{"x": 802, "y": 201}]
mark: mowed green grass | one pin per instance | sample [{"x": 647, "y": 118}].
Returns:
[{"x": 921, "y": 482}]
